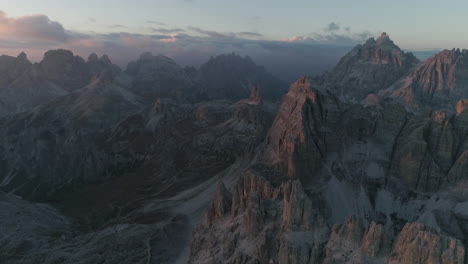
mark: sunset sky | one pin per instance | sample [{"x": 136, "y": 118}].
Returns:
[{"x": 125, "y": 28}]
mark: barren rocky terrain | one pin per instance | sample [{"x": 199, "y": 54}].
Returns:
[{"x": 159, "y": 163}]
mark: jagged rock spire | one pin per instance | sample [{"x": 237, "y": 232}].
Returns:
[{"x": 22, "y": 56}]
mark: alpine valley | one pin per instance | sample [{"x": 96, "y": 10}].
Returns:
[{"x": 158, "y": 163}]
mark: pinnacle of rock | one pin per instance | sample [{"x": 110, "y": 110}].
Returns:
[
  {"x": 255, "y": 95},
  {"x": 92, "y": 57},
  {"x": 383, "y": 38},
  {"x": 22, "y": 56},
  {"x": 462, "y": 106},
  {"x": 369, "y": 68},
  {"x": 105, "y": 59}
]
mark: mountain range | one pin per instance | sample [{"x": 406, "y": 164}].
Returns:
[{"x": 158, "y": 163}]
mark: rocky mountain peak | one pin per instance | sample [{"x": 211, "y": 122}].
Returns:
[
  {"x": 22, "y": 57},
  {"x": 382, "y": 42},
  {"x": 156, "y": 76},
  {"x": 97, "y": 65},
  {"x": 369, "y": 68},
  {"x": 149, "y": 63},
  {"x": 298, "y": 129},
  {"x": 105, "y": 59},
  {"x": 439, "y": 81},
  {"x": 11, "y": 69},
  {"x": 385, "y": 41},
  {"x": 147, "y": 57},
  {"x": 93, "y": 57},
  {"x": 64, "y": 68},
  {"x": 231, "y": 75},
  {"x": 57, "y": 56},
  {"x": 301, "y": 87}
]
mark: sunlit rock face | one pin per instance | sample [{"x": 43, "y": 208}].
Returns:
[
  {"x": 440, "y": 81},
  {"x": 302, "y": 135}
]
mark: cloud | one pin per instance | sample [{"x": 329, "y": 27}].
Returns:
[
  {"x": 287, "y": 59},
  {"x": 33, "y": 27},
  {"x": 167, "y": 30},
  {"x": 332, "y": 27},
  {"x": 117, "y": 26},
  {"x": 153, "y": 22},
  {"x": 249, "y": 34},
  {"x": 342, "y": 39},
  {"x": 333, "y": 34},
  {"x": 298, "y": 39},
  {"x": 210, "y": 33},
  {"x": 224, "y": 35}
]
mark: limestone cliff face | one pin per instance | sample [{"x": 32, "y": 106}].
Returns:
[
  {"x": 420, "y": 244},
  {"x": 269, "y": 222},
  {"x": 369, "y": 68},
  {"x": 439, "y": 81},
  {"x": 345, "y": 183},
  {"x": 431, "y": 151},
  {"x": 301, "y": 135},
  {"x": 290, "y": 227}
]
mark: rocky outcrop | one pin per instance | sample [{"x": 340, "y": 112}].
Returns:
[
  {"x": 304, "y": 229},
  {"x": 12, "y": 68},
  {"x": 368, "y": 68},
  {"x": 301, "y": 135},
  {"x": 97, "y": 65},
  {"x": 341, "y": 159},
  {"x": 65, "y": 69},
  {"x": 420, "y": 244},
  {"x": 221, "y": 204},
  {"x": 376, "y": 242},
  {"x": 438, "y": 82},
  {"x": 158, "y": 77},
  {"x": 43, "y": 144},
  {"x": 429, "y": 152},
  {"x": 462, "y": 106},
  {"x": 231, "y": 76},
  {"x": 298, "y": 215},
  {"x": 58, "y": 74},
  {"x": 294, "y": 230},
  {"x": 270, "y": 222}
]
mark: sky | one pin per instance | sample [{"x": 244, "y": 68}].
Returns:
[{"x": 192, "y": 30}]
